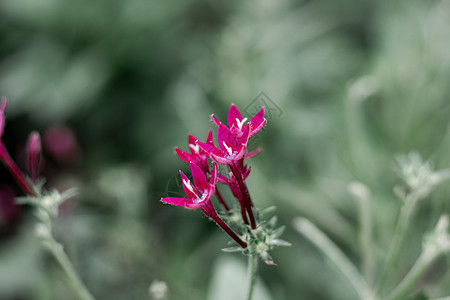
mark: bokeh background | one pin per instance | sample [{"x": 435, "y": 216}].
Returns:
[{"x": 113, "y": 86}]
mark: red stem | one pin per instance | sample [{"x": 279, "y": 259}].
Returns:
[
  {"x": 15, "y": 171},
  {"x": 237, "y": 172},
  {"x": 209, "y": 210}
]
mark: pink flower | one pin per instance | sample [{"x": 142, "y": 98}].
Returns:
[
  {"x": 199, "y": 193},
  {"x": 232, "y": 146},
  {"x": 236, "y": 122},
  {"x": 197, "y": 155},
  {"x": 61, "y": 143},
  {"x": 199, "y": 196},
  {"x": 200, "y": 157}
]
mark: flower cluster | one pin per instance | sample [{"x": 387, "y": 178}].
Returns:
[{"x": 232, "y": 151}]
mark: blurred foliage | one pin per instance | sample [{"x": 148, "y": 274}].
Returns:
[{"x": 354, "y": 84}]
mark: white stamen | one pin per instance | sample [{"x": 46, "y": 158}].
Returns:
[
  {"x": 187, "y": 183},
  {"x": 195, "y": 147},
  {"x": 229, "y": 150},
  {"x": 240, "y": 123}
]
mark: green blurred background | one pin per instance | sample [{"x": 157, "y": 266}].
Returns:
[{"x": 120, "y": 83}]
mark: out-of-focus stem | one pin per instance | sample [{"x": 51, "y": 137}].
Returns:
[
  {"x": 397, "y": 241},
  {"x": 77, "y": 285},
  {"x": 409, "y": 281},
  {"x": 365, "y": 238},
  {"x": 318, "y": 238}
]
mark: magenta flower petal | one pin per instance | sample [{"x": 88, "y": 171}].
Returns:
[
  {"x": 183, "y": 155},
  {"x": 240, "y": 152},
  {"x": 199, "y": 177},
  {"x": 257, "y": 118},
  {"x": 226, "y": 139},
  {"x": 192, "y": 143},
  {"x": 210, "y": 138},
  {"x": 188, "y": 188},
  {"x": 216, "y": 154},
  {"x": 215, "y": 120},
  {"x": 221, "y": 159},
  {"x": 254, "y": 130},
  {"x": 212, "y": 180},
  {"x": 234, "y": 117},
  {"x": 222, "y": 179},
  {"x": 176, "y": 201},
  {"x": 210, "y": 149},
  {"x": 253, "y": 153},
  {"x": 245, "y": 136},
  {"x": 192, "y": 139}
]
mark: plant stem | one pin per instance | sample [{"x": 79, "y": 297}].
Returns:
[
  {"x": 252, "y": 270},
  {"x": 18, "y": 175},
  {"x": 365, "y": 238},
  {"x": 407, "y": 284},
  {"x": 236, "y": 170},
  {"x": 318, "y": 238},
  {"x": 390, "y": 264},
  {"x": 77, "y": 285},
  {"x": 208, "y": 209}
]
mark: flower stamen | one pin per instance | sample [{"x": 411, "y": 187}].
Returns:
[
  {"x": 229, "y": 150},
  {"x": 240, "y": 123},
  {"x": 187, "y": 183},
  {"x": 195, "y": 147}
]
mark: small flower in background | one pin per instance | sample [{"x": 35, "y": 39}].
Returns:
[
  {"x": 61, "y": 143},
  {"x": 419, "y": 176},
  {"x": 45, "y": 202},
  {"x": 34, "y": 155},
  {"x": 158, "y": 290}
]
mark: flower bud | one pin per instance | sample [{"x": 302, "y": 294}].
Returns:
[{"x": 34, "y": 155}]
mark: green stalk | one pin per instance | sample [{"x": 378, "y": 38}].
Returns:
[
  {"x": 252, "y": 271},
  {"x": 398, "y": 239},
  {"x": 77, "y": 285},
  {"x": 318, "y": 238},
  {"x": 409, "y": 281},
  {"x": 365, "y": 238}
]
